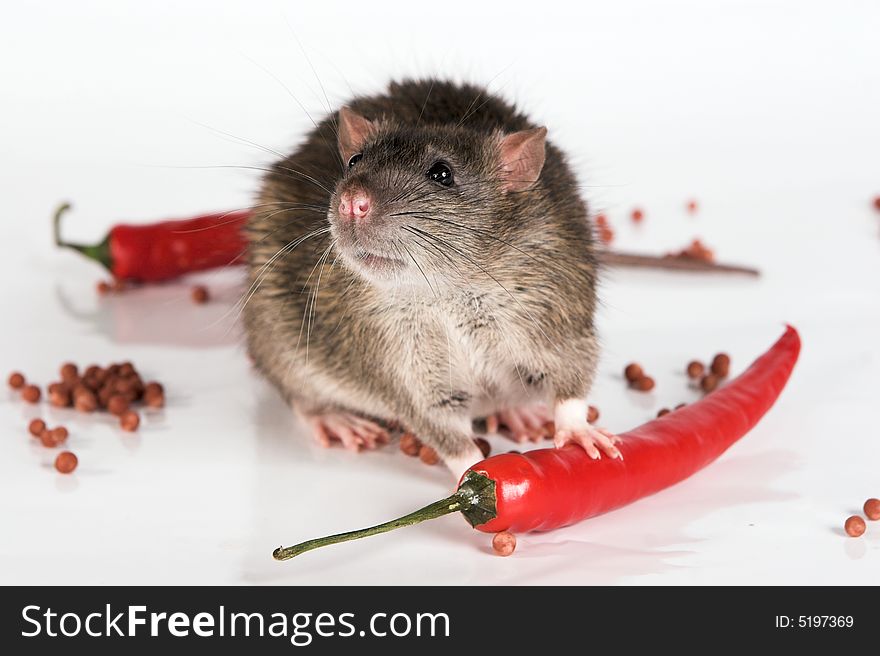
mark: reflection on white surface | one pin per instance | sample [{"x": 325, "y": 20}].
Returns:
[
  {"x": 141, "y": 314},
  {"x": 210, "y": 486}
]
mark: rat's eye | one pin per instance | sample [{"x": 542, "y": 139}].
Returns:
[
  {"x": 354, "y": 159},
  {"x": 440, "y": 173}
]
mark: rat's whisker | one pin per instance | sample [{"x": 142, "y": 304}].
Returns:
[
  {"x": 513, "y": 298},
  {"x": 471, "y": 109},
  {"x": 312, "y": 296},
  {"x": 483, "y": 233},
  {"x": 425, "y": 104},
  {"x": 422, "y": 271},
  {"x": 315, "y": 296},
  {"x": 236, "y": 219},
  {"x": 331, "y": 148},
  {"x": 247, "y": 142},
  {"x": 267, "y": 267},
  {"x": 278, "y": 169}
]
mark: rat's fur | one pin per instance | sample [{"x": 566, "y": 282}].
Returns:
[{"x": 496, "y": 308}]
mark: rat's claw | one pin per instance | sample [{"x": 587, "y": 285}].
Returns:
[
  {"x": 353, "y": 432},
  {"x": 520, "y": 424},
  {"x": 320, "y": 434},
  {"x": 615, "y": 439},
  {"x": 534, "y": 421},
  {"x": 343, "y": 432},
  {"x": 591, "y": 439},
  {"x": 515, "y": 425},
  {"x": 370, "y": 433}
]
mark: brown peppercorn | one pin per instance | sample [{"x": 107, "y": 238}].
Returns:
[
  {"x": 66, "y": 462},
  {"x": 47, "y": 439},
  {"x": 644, "y": 384},
  {"x": 592, "y": 414},
  {"x": 709, "y": 382},
  {"x": 59, "y": 434},
  {"x": 409, "y": 443},
  {"x": 721, "y": 365},
  {"x": 428, "y": 455},
  {"x": 130, "y": 420},
  {"x": 633, "y": 372},
  {"x": 31, "y": 393},
  {"x": 872, "y": 509},
  {"x": 152, "y": 387},
  {"x": 200, "y": 294},
  {"x": 85, "y": 401},
  {"x": 695, "y": 369},
  {"x": 16, "y": 380},
  {"x": 504, "y": 543},
  {"x": 126, "y": 386},
  {"x": 854, "y": 526},
  {"x": 104, "y": 395},
  {"x": 78, "y": 389},
  {"x": 60, "y": 397},
  {"x": 157, "y": 400},
  {"x": 126, "y": 369},
  {"x": 69, "y": 371},
  {"x": 663, "y": 411},
  {"x": 483, "y": 445},
  {"x": 137, "y": 385},
  {"x": 90, "y": 383},
  {"x": 36, "y": 427},
  {"x": 117, "y": 405},
  {"x": 103, "y": 287}
]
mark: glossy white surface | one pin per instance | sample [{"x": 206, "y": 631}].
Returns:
[{"x": 767, "y": 114}]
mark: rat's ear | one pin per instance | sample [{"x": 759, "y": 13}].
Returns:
[
  {"x": 522, "y": 158},
  {"x": 353, "y": 131}
]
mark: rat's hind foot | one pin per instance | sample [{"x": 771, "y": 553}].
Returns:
[
  {"x": 355, "y": 433},
  {"x": 521, "y": 424}
]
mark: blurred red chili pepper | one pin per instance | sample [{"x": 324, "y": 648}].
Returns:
[
  {"x": 549, "y": 488},
  {"x": 166, "y": 250}
]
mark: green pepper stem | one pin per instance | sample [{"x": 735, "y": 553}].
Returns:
[
  {"x": 99, "y": 252},
  {"x": 437, "y": 509},
  {"x": 474, "y": 498}
]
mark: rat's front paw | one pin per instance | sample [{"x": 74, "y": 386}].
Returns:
[
  {"x": 591, "y": 439},
  {"x": 572, "y": 426},
  {"x": 355, "y": 433}
]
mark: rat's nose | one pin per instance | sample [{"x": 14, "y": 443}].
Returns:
[{"x": 354, "y": 205}]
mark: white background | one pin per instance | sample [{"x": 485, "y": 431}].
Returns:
[{"x": 766, "y": 112}]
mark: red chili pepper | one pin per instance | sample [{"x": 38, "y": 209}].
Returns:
[
  {"x": 550, "y": 488},
  {"x": 161, "y": 251}
]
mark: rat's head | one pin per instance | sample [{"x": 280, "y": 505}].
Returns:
[{"x": 415, "y": 202}]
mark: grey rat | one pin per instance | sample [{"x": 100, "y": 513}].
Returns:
[{"x": 424, "y": 259}]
